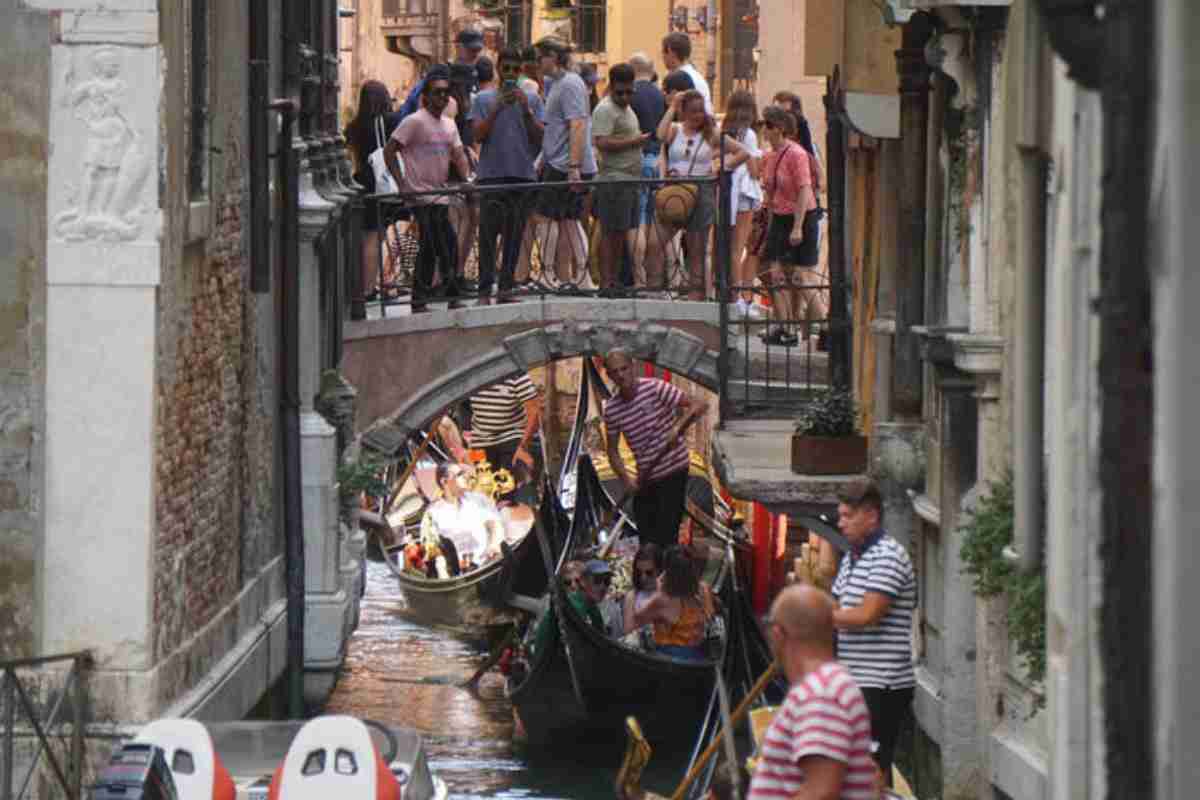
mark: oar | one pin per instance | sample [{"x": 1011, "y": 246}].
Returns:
[
  {"x": 628, "y": 495},
  {"x": 493, "y": 657},
  {"x": 743, "y": 708},
  {"x": 412, "y": 464}
]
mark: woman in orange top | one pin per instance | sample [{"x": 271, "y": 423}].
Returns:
[{"x": 679, "y": 609}]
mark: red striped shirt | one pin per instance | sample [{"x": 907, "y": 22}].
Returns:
[
  {"x": 646, "y": 421},
  {"x": 824, "y": 715}
]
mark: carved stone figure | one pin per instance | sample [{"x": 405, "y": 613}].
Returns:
[{"x": 114, "y": 165}]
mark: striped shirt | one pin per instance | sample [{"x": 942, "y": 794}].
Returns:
[
  {"x": 879, "y": 657},
  {"x": 824, "y": 715},
  {"x": 646, "y": 421},
  {"x": 498, "y": 412}
]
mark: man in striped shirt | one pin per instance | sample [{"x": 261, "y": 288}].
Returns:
[
  {"x": 644, "y": 409},
  {"x": 819, "y": 742},
  {"x": 504, "y": 421},
  {"x": 876, "y": 592}
]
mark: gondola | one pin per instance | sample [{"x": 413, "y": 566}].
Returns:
[
  {"x": 477, "y": 605},
  {"x": 585, "y": 681}
]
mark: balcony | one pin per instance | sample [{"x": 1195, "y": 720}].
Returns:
[{"x": 411, "y": 28}]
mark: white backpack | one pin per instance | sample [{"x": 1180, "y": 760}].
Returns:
[{"x": 384, "y": 183}]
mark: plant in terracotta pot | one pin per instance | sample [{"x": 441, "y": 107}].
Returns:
[{"x": 826, "y": 440}]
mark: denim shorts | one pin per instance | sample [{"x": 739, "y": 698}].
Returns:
[{"x": 645, "y": 213}]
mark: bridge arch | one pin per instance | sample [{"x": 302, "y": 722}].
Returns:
[{"x": 683, "y": 353}]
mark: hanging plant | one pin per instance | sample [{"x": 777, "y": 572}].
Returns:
[{"x": 985, "y": 535}]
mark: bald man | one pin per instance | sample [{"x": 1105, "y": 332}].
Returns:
[
  {"x": 644, "y": 409},
  {"x": 819, "y": 743}
]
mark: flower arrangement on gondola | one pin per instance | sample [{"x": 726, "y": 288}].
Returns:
[{"x": 826, "y": 440}]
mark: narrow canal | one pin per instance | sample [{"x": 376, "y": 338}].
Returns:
[{"x": 399, "y": 672}]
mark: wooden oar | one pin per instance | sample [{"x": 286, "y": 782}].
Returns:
[
  {"x": 743, "y": 708},
  {"x": 496, "y": 654},
  {"x": 412, "y": 464}
]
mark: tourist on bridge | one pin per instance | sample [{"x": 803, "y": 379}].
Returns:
[
  {"x": 819, "y": 741},
  {"x": 428, "y": 142},
  {"x": 505, "y": 420},
  {"x": 567, "y": 155},
  {"x": 619, "y": 139},
  {"x": 876, "y": 592},
  {"x": 644, "y": 409},
  {"x": 508, "y": 123}
]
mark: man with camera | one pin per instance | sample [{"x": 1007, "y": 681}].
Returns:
[{"x": 508, "y": 123}]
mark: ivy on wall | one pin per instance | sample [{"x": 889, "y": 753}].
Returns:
[{"x": 988, "y": 530}]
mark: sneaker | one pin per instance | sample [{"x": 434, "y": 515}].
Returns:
[{"x": 781, "y": 338}]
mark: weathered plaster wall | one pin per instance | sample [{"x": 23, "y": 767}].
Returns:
[{"x": 24, "y": 114}]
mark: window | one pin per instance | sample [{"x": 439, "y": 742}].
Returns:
[
  {"x": 198, "y": 99},
  {"x": 518, "y": 23},
  {"x": 591, "y": 25}
]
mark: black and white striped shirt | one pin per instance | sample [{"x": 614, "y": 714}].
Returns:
[
  {"x": 879, "y": 657},
  {"x": 498, "y": 412}
]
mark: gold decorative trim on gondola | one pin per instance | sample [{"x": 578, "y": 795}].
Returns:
[{"x": 697, "y": 464}]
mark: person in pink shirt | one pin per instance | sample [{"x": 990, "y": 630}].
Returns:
[
  {"x": 819, "y": 741},
  {"x": 790, "y": 246},
  {"x": 428, "y": 140}
]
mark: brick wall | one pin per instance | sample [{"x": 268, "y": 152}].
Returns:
[{"x": 25, "y": 96}]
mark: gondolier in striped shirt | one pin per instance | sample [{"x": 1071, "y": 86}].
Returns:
[
  {"x": 652, "y": 414},
  {"x": 505, "y": 418},
  {"x": 876, "y": 592}
]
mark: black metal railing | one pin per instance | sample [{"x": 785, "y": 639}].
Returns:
[
  {"x": 40, "y": 712},
  {"x": 484, "y": 243}
]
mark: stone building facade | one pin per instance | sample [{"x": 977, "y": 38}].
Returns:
[{"x": 141, "y": 358}]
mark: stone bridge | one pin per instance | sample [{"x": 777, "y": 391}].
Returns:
[{"x": 408, "y": 368}]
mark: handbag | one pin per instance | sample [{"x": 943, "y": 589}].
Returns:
[
  {"x": 675, "y": 203},
  {"x": 384, "y": 182}
]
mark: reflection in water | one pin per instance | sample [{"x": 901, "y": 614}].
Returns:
[{"x": 399, "y": 672}]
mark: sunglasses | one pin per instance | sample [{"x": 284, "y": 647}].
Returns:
[
  {"x": 439, "y": 92},
  {"x": 646, "y": 573},
  {"x": 770, "y": 126},
  {"x": 622, "y": 92}
]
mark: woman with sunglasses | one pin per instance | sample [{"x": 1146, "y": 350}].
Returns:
[
  {"x": 790, "y": 247},
  {"x": 647, "y": 566},
  {"x": 691, "y": 141},
  {"x": 680, "y": 608}
]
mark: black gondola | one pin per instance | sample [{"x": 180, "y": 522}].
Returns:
[{"x": 586, "y": 681}]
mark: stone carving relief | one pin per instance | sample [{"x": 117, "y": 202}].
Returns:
[{"x": 104, "y": 188}]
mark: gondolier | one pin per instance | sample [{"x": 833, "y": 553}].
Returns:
[
  {"x": 644, "y": 410},
  {"x": 505, "y": 418}
]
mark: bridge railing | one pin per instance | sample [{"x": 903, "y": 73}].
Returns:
[
  {"x": 32, "y": 707},
  {"x": 669, "y": 239}
]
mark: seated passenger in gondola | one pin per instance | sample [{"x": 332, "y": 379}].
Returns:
[
  {"x": 462, "y": 524},
  {"x": 585, "y": 593},
  {"x": 647, "y": 566},
  {"x": 679, "y": 610}
]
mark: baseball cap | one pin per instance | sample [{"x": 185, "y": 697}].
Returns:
[
  {"x": 597, "y": 566},
  {"x": 471, "y": 39}
]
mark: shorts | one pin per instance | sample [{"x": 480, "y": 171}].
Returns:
[
  {"x": 779, "y": 249},
  {"x": 646, "y": 195},
  {"x": 560, "y": 202},
  {"x": 616, "y": 206},
  {"x": 747, "y": 203},
  {"x": 705, "y": 212}
]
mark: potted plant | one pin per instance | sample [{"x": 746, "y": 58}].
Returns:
[{"x": 826, "y": 440}]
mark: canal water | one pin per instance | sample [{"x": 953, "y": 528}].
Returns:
[{"x": 399, "y": 672}]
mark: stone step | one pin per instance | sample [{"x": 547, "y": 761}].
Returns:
[
  {"x": 761, "y": 399},
  {"x": 803, "y": 364}
]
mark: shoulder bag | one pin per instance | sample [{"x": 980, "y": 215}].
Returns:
[{"x": 384, "y": 183}]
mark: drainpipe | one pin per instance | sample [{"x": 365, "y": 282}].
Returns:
[
  {"x": 260, "y": 165},
  {"x": 1029, "y": 369}
]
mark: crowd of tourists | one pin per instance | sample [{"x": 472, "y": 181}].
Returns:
[{"x": 526, "y": 155}]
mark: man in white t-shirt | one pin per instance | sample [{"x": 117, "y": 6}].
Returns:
[{"x": 677, "y": 54}]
